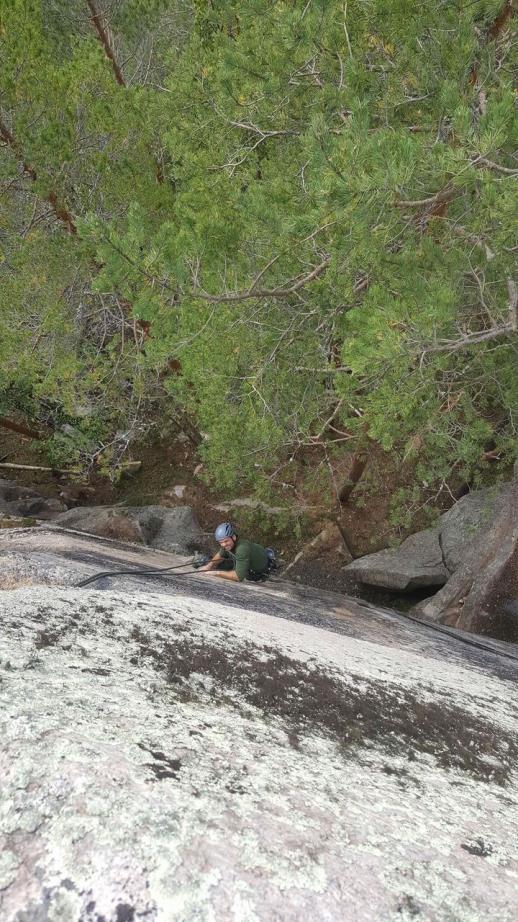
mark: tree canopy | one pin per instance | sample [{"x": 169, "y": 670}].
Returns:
[{"x": 291, "y": 220}]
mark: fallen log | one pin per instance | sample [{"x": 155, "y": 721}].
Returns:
[
  {"x": 37, "y": 467},
  {"x": 130, "y": 466}
]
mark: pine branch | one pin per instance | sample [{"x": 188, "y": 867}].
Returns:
[
  {"x": 104, "y": 38},
  {"x": 60, "y": 211},
  {"x": 292, "y": 286}
]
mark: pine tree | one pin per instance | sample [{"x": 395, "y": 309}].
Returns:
[{"x": 307, "y": 207}]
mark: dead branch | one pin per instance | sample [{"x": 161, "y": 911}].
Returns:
[
  {"x": 495, "y": 166},
  {"x": 460, "y": 231},
  {"x": 471, "y": 339},
  {"x": 326, "y": 370},
  {"x": 36, "y": 467},
  {"x": 104, "y": 38},
  {"x": 293, "y": 286},
  {"x": 439, "y": 198},
  {"x": 264, "y": 134}
]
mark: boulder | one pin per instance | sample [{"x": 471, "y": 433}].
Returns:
[
  {"x": 167, "y": 529},
  {"x": 460, "y": 525},
  {"x": 416, "y": 564},
  {"x": 11, "y": 491},
  {"x": 21, "y": 501},
  {"x": 478, "y": 594},
  {"x": 105, "y": 521},
  {"x": 430, "y": 557}
]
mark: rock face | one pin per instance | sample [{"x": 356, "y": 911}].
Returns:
[
  {"x": 470, "y": 518},
  {"x": 481, "y": 593},
  {"x": 19, "y": 501},
  {"x": 168, "y": 755},
  {"x": 173, "y": 530},
  {"x": 429, "y": 557},
  {"x": 417, "y": 563}
]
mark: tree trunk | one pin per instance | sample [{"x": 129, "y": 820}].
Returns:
[
  {"x": 6, "y": 423},
  {"x": 104, "y": 38},
  {"x": 59, "y": 210},
  {"x": 358, "y": 465}
]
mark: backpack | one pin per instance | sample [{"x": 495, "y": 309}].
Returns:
[{"x": 272, "y": 559}]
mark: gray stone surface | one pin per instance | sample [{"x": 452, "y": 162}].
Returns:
[
  {"x": 417, "y": 563},
  {"x": 166, "y": 755},
  {"x": 467, "y": 519},
  {"x": 175, "y": 529},
  {"x": 19, "y": 501},
  {"x": 429, "y": 557},
  {"x": 486, "y": 578}
]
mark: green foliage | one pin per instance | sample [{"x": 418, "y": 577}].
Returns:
[{"x": 298, "y": 202}]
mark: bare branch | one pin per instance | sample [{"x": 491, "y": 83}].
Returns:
[
  {"x": 496, "y": 166},
  {"x": 249, "y": 126},
  {"x": 104, "y": 38},
  {"x": 440, "y": 198},
  {"x": 471, "y": 339},
  {"x": 293, "y": 286},
  {"x": 326, "y": 370},
  {"x": 346, "y": 31}
]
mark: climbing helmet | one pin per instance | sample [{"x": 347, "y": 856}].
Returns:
[{"x": 224, "y": 530}]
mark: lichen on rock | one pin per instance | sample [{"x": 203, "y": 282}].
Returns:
[{"x": 169, "y": 758}]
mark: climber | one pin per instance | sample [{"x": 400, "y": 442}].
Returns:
[{"x": 239, "y": 559}]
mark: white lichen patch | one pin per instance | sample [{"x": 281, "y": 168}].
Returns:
[{"x": 172, "y": 759}]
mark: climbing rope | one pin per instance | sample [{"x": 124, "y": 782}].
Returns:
[{"x": 149, "y": 571}]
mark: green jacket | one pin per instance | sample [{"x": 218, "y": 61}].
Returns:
[{"x": 249, "y": 559}]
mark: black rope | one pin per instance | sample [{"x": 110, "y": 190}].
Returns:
[{"x": 150, "y": 571}]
